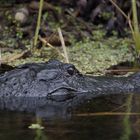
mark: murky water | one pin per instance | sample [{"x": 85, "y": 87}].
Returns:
[{"x": 105, "y": 118}]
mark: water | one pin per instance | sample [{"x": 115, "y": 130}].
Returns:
[{"x": 88, "y": 122}]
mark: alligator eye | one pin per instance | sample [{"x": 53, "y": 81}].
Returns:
[{"x": 71, "y": 70}]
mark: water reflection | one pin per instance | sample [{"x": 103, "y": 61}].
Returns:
[
  {"x": 39, "y": 131},
  {"x": 80, "y": 127},
  {"x": 126, "y": 120}
]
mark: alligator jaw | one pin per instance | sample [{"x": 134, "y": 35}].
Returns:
[{"x": 63, "y": 94}]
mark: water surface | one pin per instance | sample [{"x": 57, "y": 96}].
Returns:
[{"x": 88, "y": 122}]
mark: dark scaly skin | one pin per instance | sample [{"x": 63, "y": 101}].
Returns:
[{"x": 54, "y": 87}]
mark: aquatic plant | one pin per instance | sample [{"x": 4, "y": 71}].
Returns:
[
  {"x": 133, "y": 25},
  {"x": 38, "y": 22},
  {"x": 136, "y": 33}
]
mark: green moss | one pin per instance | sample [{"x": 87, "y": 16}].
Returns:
[
  {"x": 96, "y": 56},
  {"x": 91, "y": 51}
]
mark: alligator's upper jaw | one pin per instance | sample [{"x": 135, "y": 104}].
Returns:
[
  {"x": 65, "y": 93},
  {"x": 80, "y": 88}
]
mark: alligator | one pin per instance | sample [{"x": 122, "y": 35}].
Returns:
[{"x": 54, "y": 88}]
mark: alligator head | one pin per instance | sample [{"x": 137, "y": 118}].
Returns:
[
  {"x": 55, "y": 80},
  {"x": 59, "y": 81},
  {"x": 47, "y": 87},
  {"x": 49, "y": 79},
  {"x": 54, "y": 84}
]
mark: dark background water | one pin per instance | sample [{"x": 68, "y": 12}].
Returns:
[{"x": 82, "y": 125}]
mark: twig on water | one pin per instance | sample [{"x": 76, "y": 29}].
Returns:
[
  {"x": 0, "y": 58},
  {"x": 13, "y": 57},
  {"x": 63, "y": 45},
  {"x": 107, "y": 114},
  {"x": 49, "y": 45}
]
